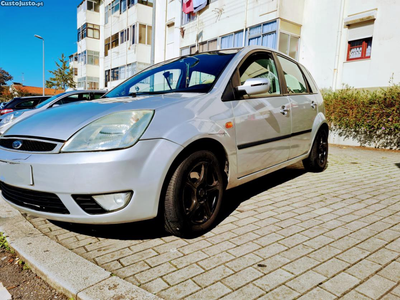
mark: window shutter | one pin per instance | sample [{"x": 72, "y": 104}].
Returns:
[{"x": 360, "y": 31}]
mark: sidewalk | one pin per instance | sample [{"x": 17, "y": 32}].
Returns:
[{"x": 288, "y": 235}]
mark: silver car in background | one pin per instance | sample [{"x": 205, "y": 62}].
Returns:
[
  {"x": 168, "y": 141},
  {"x": 8, "y": 120}
]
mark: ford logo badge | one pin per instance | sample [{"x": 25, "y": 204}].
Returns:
[{"x": 16, "y": 145}]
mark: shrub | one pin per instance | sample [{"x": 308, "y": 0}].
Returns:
[{"x": 371, "y": 118}]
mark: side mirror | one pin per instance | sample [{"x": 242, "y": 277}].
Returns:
[{"x": 255, "y": 86}]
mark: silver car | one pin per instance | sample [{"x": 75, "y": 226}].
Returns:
[
  {"x": 168, "y": 141},
  {"x": 8, "y": 120}
]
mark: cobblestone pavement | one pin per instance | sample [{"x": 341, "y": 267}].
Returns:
[{"x": 287, "y": 235}]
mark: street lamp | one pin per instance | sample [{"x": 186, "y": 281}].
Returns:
[{"x": 39, "y": 37}]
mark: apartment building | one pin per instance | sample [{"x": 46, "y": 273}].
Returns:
[
  {"x": 113, "y": 41},
  {"x": 341, "y": 42}
]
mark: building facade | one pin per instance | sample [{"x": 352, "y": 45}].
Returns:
[
  {"x": 113, "y": 41},
  {"x": 343, "y": 42}
]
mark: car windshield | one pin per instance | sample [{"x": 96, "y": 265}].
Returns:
[
  {"x": 49, "y": 100},
  {"x": 191, "y": 74}
]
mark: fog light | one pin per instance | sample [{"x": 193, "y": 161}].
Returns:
[{"x": 111, "y": 202}]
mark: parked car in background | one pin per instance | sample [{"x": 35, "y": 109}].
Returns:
[
  {"x": 168, "y": 141},
  {"x": 19, "y": 103},
  {"x": 9, "y": 119}
]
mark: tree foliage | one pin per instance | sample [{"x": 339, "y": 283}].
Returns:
[{"x": 63, "y": 76}]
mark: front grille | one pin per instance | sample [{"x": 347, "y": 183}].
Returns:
[
  {"x": 89, "y": 205},
  {"x": 28, "y": 145},
  {"x": 40, "y": 201}
]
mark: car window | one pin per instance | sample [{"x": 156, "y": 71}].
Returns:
[
  {"x": 97, "y": 96},
  {"x": 311, "y": 82},
  {"x": 261, "y": 65},
  {"x": 160, "y": 81},
  {"x": 197, "y": 78},
  {"x": 294, "y": 78},
  {"x": 27, "y": 104}
]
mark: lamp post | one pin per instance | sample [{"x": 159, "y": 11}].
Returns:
[{"x": 39, "y": 37}]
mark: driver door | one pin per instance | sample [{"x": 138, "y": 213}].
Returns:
[{"x": 263, "y": 121}]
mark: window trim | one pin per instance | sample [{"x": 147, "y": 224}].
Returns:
[{"x": 363, "y": 49}]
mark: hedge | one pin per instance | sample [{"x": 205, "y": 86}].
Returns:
[{"x": 371, "y": 118}]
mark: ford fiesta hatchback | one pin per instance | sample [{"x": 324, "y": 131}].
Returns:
[{"x": 168, "y": 141}]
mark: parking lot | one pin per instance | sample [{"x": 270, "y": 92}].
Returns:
[{"x": 290, "y": 234}]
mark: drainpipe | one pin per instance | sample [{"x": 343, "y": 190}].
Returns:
[
  {"x": 153, "y": 33},
  {"x": 338, "y": 45},
  {"x": 245, "y": 23}
]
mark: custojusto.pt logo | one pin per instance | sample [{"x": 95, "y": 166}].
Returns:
[{"x": 21, "y": 3}]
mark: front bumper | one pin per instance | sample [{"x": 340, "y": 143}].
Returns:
[{"x": 141, "y": 169}]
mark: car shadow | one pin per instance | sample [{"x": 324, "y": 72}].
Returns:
[{"x": 154, "y": 229}]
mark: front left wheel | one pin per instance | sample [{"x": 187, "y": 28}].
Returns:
[{"x": 193, "y": 196}]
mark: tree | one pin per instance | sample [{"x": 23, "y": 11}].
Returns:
[
  {"x": 63, "y": 76},
  {"x": 4, "y": 77}
]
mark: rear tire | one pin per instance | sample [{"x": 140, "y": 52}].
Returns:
[
  {"x": 193, "y": 195},
  {"x": 318, "y": 159}
]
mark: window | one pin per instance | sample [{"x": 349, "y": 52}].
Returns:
[
  {"x": 206, "y": 46},
  {"x": 93, "y": 31},
  {"x": 75, "y": 71},
  {"x": 288, "y": 44},
  {"x": 263, "y": 35},
  {"x": 82, "y": 57},
  {"x": 294, "y": 78},
  {"x": 114, "y": 74},
  {"x": 124, "y": 36},
  {"x": 114, "y": 40},
  {"x": 106, "y": 77},
  {"x": 28, "y": 104},
  {"x": 360, "y": 40},
  {"x": 93, "y": 57},
  {"x": 93, "y": 6},
  {"x": 122, "y": 72},
  {"x": 359, "y": 49},
  {"x": 106, "y": 46},
  {"x": 185, "y": 51},
  {"x": 187, "y": 18},
  {"x": 88, "y": 30},
  {"x": 133, "y": 34},
  {"x": 123, "y": 6},
  {"x": 198, "y": 78},
  {"x": 131, "y": 70},
  {"x": 145, "y": 32},
  {"x": 107, "y": 13},
  {"x": 115, "y": 6},
  {"x": 233, "y": 40},
  {"x": 88, "y": 83},
  {"x": 261, "y": 65}
]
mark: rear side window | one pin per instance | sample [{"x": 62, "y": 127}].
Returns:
[
  {"x": 294, "y": 78},
  {"x": 310, "y": 79},
  {"x": 27, "y": 104}
]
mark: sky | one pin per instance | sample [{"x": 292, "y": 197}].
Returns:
[{"x": 21, "y": 52}]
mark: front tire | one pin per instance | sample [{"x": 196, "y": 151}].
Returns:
[
  {"x": 318, "y": 159},
  {"x": 193, "y": 196}
]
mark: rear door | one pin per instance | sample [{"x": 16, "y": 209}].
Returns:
[
  {"x": 303, "y": 107},
  {"x": 262, "y": 121}
]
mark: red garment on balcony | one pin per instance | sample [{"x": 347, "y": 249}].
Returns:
[{"x": 187, "y": 6}]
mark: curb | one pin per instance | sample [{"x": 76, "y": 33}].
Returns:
[{"x": 62, "y": 269}]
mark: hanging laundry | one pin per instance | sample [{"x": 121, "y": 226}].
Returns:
[
  {"x": 187, "y": 6},
  {"x": 199, "y": 5}
]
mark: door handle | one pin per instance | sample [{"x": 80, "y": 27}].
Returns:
[
  {"x": 313, "y": 104},
  {"x": 284, "y": 110}
]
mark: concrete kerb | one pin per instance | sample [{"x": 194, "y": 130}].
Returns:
[{"x": 64, "y": 270}]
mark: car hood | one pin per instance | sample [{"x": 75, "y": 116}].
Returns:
[{"x": 62, "y": 122}]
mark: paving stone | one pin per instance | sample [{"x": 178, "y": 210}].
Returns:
[
  {"x": 363, "y": 269},
  {"x": 244, "y": 249},
  {"x": 340, "y": 284},
  {"x": 282, "y": 292},
  {"x": 353, "y": 255},
  {"x": 194, "y": 247},
  {"x": 331, "y": 267},
  {"x": 375, "y": 287},
  {"x": 317, "y": 294},
  {"x": 155, "y": 286},
  {"x": 154, "y": 273},
  {"x": 162, "y": 258},
  {"x": 247, "y": 292},
  {"x": 391, "y": 272},
  {"x": 273, "y": 279},
  {"x": 214, "y": 291},
  {"x": 354, "y": 295},
  {"x": 183, "y": 274},
  {"x": 132, "y": 269},
  {"x": 211, "y": 276},
  {"x": 180, "y": 291},
  {"x": 318, "y": 242},
  {"x": 306, "y": 281},
  {"x": 242, "y": 262},
  {"x": 270, "y": 250},
  {"x": 126, "y": 261},
  {"x": 272, "y": 263},
  {"x": 189, "y": 259},
  {"x": 218, "y": 248},
  {"x": 301, "y": 265},
  {"x": 296, "y": 252},
  {"x": 241, "y": 278},
  {"x": 383, "y": 256}
]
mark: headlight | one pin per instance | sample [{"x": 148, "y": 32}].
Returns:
[
  {"x": 9, "y": 117},
  {"x": 115, "y": 131}
]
